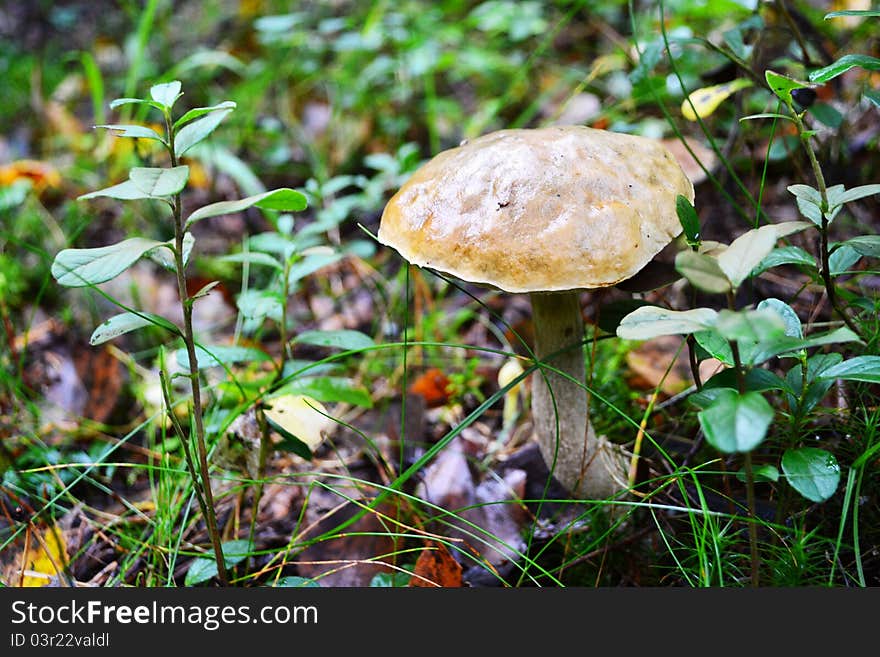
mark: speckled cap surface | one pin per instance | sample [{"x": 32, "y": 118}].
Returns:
[{"x": 548, "y": 209}]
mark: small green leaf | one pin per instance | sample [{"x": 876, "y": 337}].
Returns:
[
  {"x": 653, "y": 321},
  {"x": 842, "y": 65},
  {"x": 858, "y": 368},
  {"x": 835, "y": 195},
  {"x": 329, "y": 389},
  {"x": 735, "y": 422},
  {"x": 392, "y": 580},
  {"x": 197, "y": 112},
  {"x": 705, "y": 397},
  {"x": 793, "y": 326},
  {"x": 857, "y": 193},
  {"x": 809, "y": 202},
  {"x": 853, "y": 12},
  {"x": 253, "y": 258},
  {"x": 125, "y": 322},
  {"x": 205, "y": 290},
  {"x": 702, "y": 271},
  {"x": 746, "y": 252},
  {"x": 782, "y": 85},
  {"x": 258, "y": 304},
  {"x": 135, "y": 101},
  {"x": 83, "y": 267},
  {"x": 812, "y": 472},
  {"x": 124, "y": 191},
  {"x": 786, "y": 345},
  {"x": 756, "y": 379},
  {"x": 750, "y": 325},
  {"x": 157, "y": 182},
  {"x": 285, "y": 199},
  {"x": 816, "y": 387},
  {"x": 311, "y": 263},
  {"x": 220, "y": 355},
  {"x": 204, "y": 568},
  {"x": 866, "y": 245},
  {"x": 761, "y": 473},
  {"x": 715, "y": 345},
  {"x": 134, "y": 131},
  {"x": 344, "y": 339},
  {"x": 842, "y": 258},
  {"x": 165, "y": 257},
  {"x": 687, "y": 217},
  {"x": 785, "y": 255},
  {"x": 166, "y": 94},
  {"x": 194, "y": 132}
]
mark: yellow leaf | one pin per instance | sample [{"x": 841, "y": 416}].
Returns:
[
  {"x": 41, "y": 559},
  {"x": 301, "y": 416},
  {"x": 706, "y": 100}
]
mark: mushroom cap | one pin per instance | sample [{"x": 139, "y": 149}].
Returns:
[{"x": 546, "y": 209}]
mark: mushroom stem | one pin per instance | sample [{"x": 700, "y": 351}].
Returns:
[{"x": 588, "y": 467}]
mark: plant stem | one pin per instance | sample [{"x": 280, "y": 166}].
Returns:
[
  {"x": 747, "y": 464},
  {"x": 189, "y": 339},
  {"x": 825, "y": 268}
]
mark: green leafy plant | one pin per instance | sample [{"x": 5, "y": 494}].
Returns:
[
  {"x": 735, "y": 415},
  {"x": 75, "y": 267}
]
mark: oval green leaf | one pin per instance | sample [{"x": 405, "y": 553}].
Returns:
[
  {"x": 702, "y": 271},
  {"x": 746, "y": 252},
  {"x": 812, "y": 472},
  {"x": 285, "y": 199},
  {"x": 135, "y": 131},
  {"x": 866, "y": 245},
  {"x": 126, "y": 322},
  {"x": 220, "y": 355},
  {"x": 750, "y": 325},
  {"x": 344, "y": 339},
  {"x": 158, "y": 181},
  {"x": 687, "y": 217},
  {"x": 736, "y": 423},
  {"x": 653, "y": 321},
  {"x": 166, "y": 93},
  {"x": 83, "y": 267},
  {"x": 330, "y": 389},
  {"x": 194, "y": 132},
  {"x": 844, "y": 64},
  {"x": 197, "y": 112},
  {"x": 785, "y": 255},
  {"x": 858, "y": 368},
  {"x": 204, "y": 568}
]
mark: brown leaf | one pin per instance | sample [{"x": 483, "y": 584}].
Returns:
[{"x": 436, "y": 567}]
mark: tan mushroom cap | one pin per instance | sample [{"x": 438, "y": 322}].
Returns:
[{"x": 548, "y": 209}]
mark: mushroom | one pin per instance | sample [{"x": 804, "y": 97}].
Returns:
[{"x": 549, "y": 212}]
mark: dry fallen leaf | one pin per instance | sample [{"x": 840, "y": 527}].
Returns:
[
  {"x": 436, "y": 567},
  {"x": 41, "y": 561},
  {"x": 300, "y": 416}
]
